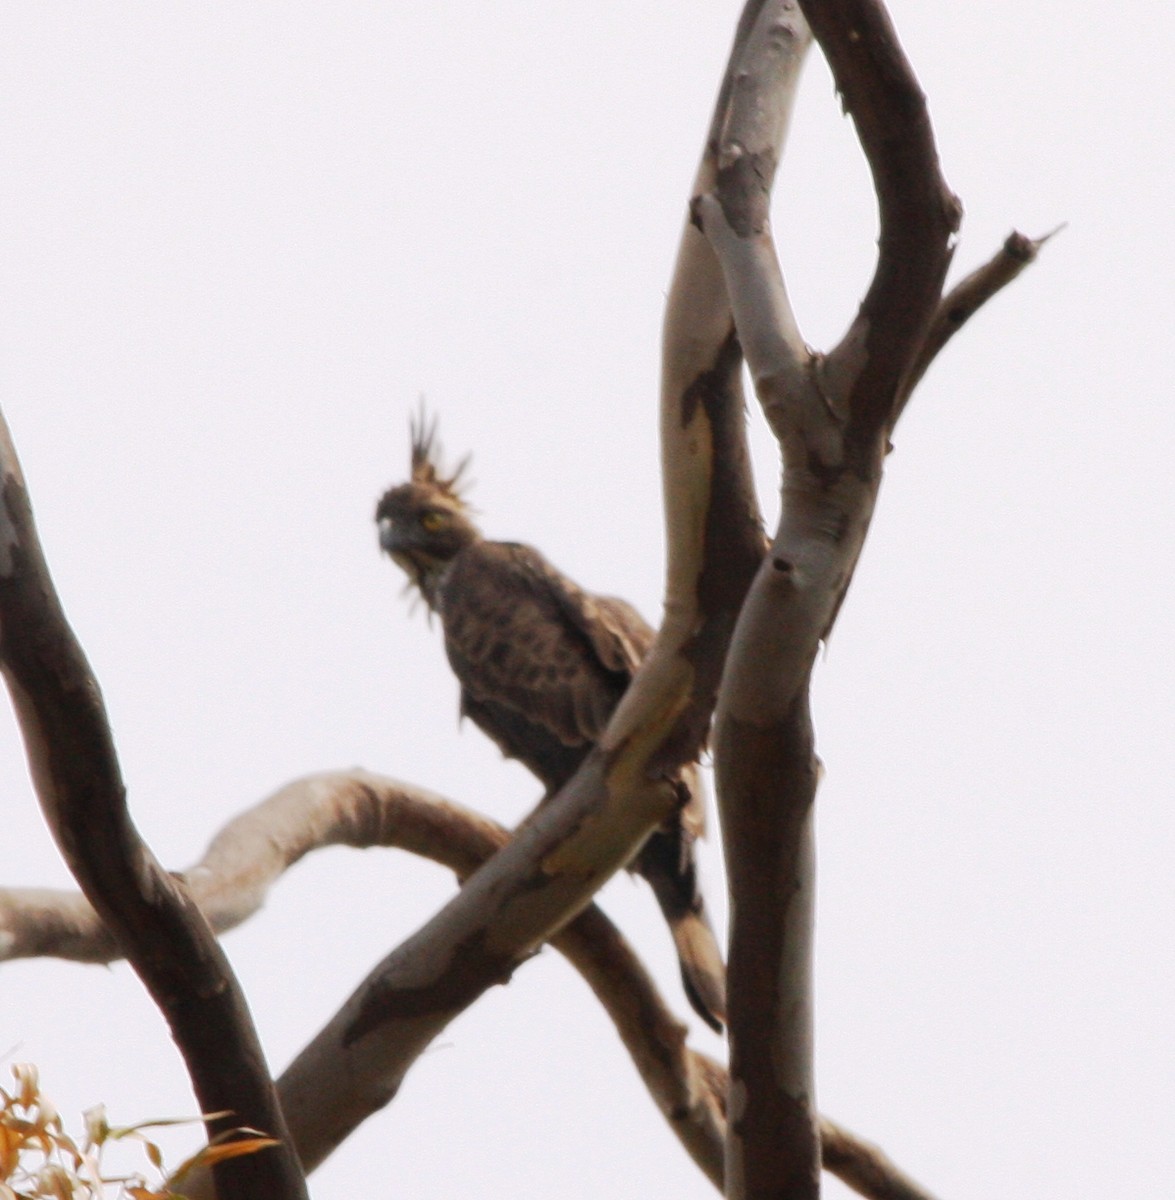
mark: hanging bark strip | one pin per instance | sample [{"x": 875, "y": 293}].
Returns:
[{"x": 76, "y": 773}]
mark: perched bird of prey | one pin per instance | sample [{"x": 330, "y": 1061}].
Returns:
[{"x": 542, "y": 664}]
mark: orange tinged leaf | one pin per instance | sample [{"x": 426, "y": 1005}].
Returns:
[{"x": 226, "y": 1150}]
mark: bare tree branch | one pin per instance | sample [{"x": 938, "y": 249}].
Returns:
[
  {"x": 762, "y": 744},
  {"x": 53, "y": 923},
  {"x": 832, "y": 417},
  {"x": 360, "y": 809},
  {"x": 357, "y": 808},
  {"x": 968, "y": 296},
  {"x": 703, "y": 440},
  {"x": 76, "y": 774},
  {"x": 919, "y": 214},
  {"x": 230, "y": 882},
  {"x": 566, "y": 850},
  {"x": 745, "y": 153},
  {"x": 864, "y": 1167}
]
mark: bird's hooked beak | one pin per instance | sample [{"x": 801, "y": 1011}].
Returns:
[
  {"x": 401, "y": 548},
  {"x": 390, "y": 540}
]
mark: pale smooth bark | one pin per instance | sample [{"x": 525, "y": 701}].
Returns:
[{"x": 249, "y": 854}]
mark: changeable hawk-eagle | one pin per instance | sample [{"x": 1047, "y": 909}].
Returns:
[{"x": 542, "y": 664}]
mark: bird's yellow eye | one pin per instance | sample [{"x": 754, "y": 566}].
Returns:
[{"x": 432, "y": 522}]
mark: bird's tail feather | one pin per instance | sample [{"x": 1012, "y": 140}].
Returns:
[
  {"x": 703, "y": 973},
  {"x": 666, "y": 860}
]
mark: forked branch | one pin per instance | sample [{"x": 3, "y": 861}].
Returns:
[
  {"x": 918, "y": 213},
  {"x": 832, "y": 416}
]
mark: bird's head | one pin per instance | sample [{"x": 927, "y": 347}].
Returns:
[{"x": 425, "y": 522}]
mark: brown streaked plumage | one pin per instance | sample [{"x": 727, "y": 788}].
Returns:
[{"x": 542, "y": 664}]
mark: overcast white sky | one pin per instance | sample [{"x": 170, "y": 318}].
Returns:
[{"x": 238, "y": 241}]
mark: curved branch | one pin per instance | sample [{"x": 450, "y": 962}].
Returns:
[
  {"x": 918, "y": 213},
  {"x": 76, "y": 774},
  {"x": 735, "y": 201},
  {"x": 831, "y": 418},
  {"x": 762, "y": 743},
  {"x": 360, "y": 809},
  {"x": 230, "y": 882},
  {"x": 705, "y": 462},
  {"x": 568, "y": 848}
]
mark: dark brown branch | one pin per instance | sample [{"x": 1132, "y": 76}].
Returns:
[
  {"x": 919, "y": 215},
  {"x": 968, "y": 296},
  {"x": 76, "y": 773},
  {"x": 768, "y": 779}
]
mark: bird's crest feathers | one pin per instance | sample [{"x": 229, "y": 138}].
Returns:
[{"x": 426, "y": 459}]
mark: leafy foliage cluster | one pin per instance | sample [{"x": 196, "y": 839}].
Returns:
[{"x": 40, "y": 1161}]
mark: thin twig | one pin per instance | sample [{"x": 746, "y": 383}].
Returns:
[{"x": 969, "y": 295}]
